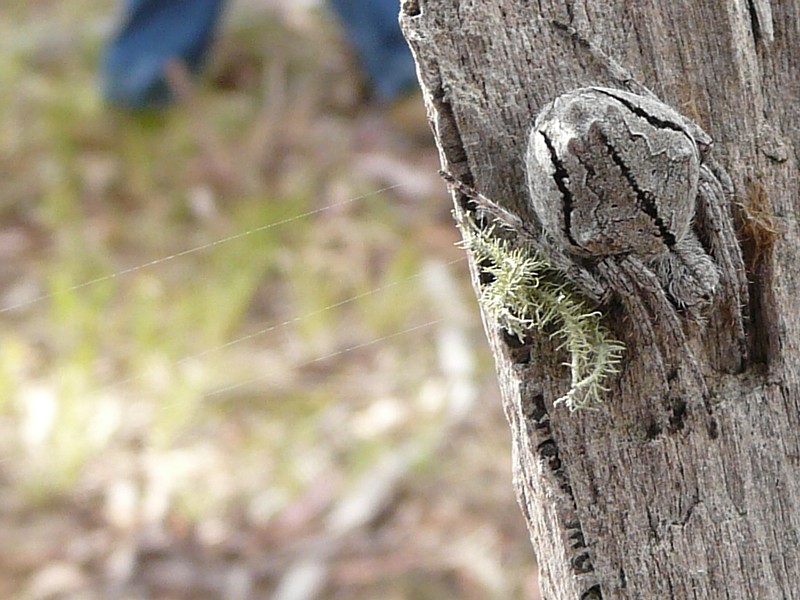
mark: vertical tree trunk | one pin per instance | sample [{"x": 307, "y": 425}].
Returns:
[{"x": 668, "y": 491}]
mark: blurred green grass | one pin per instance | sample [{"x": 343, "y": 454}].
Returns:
[{"x": 156, "y": 386}]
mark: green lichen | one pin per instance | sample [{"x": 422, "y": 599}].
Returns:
[{"x": 526, "y": 293}]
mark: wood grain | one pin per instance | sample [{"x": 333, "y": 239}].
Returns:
[{"x": 674, "y": 489}]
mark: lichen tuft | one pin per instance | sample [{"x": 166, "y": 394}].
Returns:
[{"x": 526, "y": 293}]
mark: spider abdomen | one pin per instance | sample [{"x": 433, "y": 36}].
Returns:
[{"x": 613, "y": 173}]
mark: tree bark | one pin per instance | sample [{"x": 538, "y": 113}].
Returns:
[{"x": 670, "y": 490}]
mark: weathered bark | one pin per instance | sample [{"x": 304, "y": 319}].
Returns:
[{"x": 667, "y": 491}]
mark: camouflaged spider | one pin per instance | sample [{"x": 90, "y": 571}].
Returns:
[
  {"x": 617, "y": 176},
  {"x": 624, "y": 189}
]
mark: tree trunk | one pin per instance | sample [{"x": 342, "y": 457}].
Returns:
[{"x": 668, "y": 490}]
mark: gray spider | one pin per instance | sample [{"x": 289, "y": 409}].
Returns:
[
  {"x": 624, "y": 189},
  {"x": 613, "y": 174}
]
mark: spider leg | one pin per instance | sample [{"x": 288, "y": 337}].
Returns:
[
  {"x": 688, "y": 274},
  {"x": 642, "y": 342},
  {"x": 641, "y": 321},
  {"x": 589, "y": 285},
  {"x": 720, "y": 174},
  {"x": 529, "y": 234},
  {"x": 714, "y": 223},
  {"x": 645, "y": 299}
]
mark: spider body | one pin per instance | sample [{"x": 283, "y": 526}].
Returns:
[
  {"x": 629, "y": 203},
  {"x": 612, "y": 174}
]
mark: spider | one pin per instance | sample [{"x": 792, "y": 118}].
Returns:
[
  {"x": 629, "y": 203},
  {"x": 614, "y": 175}
]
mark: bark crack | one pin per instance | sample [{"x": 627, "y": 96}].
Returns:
[{"x": 536, "y": 414}]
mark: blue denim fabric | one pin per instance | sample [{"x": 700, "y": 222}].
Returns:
[
  {"x": 372, "y": 28},
  {"x": 154, "y": 32}
]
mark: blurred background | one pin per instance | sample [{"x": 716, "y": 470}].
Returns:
[{"x": 240, "y": 356}]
